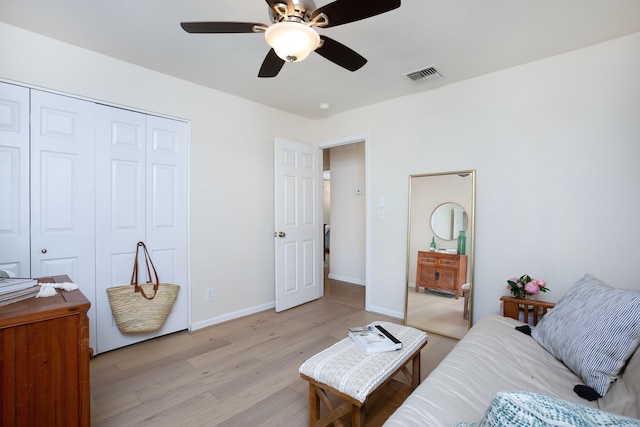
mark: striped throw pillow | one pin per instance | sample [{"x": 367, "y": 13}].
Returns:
[{"x": 594, "y": 329}]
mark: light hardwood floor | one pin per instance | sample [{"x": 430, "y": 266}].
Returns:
[{"x": 240, "y": 373}]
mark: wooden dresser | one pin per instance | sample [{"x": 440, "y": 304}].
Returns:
[
  {"x": 44, "y": 360},
  {"x": 441, "y": 271}
]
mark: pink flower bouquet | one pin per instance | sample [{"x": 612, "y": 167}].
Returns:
[{"x": 524, "y": 286}]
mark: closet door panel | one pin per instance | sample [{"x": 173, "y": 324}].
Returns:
[
  {"x": 120, "y": 217},
  {"x": 14, "y": 179},
  {"x": 58, "y": 187},
  {"x": 62, "y": 189},
  {"x": 60, "y": 266},
  {"x": 164, "y": 196},
  {"x": 167, "y": 153},
  {"x": 127, "y": 212}
]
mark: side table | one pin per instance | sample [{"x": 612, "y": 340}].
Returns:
[{"x": 512, "y": 307}]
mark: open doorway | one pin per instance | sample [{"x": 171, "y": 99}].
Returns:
[{"x": 344, "y": 217}]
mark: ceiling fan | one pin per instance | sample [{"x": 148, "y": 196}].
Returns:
[{"x": 291, "y": 34}]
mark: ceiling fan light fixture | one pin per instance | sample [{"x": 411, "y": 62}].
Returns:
[{"x": 292, "y": 41}]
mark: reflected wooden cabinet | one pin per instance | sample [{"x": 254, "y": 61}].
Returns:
[{"x": 441, "y": 271}]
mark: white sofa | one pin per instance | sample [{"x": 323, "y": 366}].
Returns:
[{"x": 494, "y": 357}]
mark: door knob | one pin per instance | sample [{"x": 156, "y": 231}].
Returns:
[
  {"x": 44, "y": 251},
  {"x": 281, "y": 234}
]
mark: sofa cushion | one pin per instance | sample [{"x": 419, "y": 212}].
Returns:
[
  {"x": 492, "y": 357},
  {"x": 521, "y": 408},
  {"x": 593, "y": 329},
  {"x": 623, "y": 396}
]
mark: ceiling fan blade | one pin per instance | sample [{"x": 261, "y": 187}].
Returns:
[
  {"x": 344, "y": 11},
  {"x": 219, "y": 27},
  {"x": 271, "y": 65},
  {"x": 339, "y": 54}
]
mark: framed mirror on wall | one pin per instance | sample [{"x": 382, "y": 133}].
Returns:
[{"x": 440, "y": 252}]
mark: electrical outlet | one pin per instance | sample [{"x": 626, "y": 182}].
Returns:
[{"x": 209, "y": 294}]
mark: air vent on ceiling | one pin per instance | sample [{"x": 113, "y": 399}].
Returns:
[{"x": 424, "y": 75}]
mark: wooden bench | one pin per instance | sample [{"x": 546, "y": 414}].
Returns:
[{"x": 354, "y": 375}]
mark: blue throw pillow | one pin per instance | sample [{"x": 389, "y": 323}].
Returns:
[{"x": 520, "y": 408}]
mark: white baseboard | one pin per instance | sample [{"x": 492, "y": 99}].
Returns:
[
  {"x": 347, "y": 279},
  {"x": 231, "y": 316},
  {"x": 390, "y": 313}
]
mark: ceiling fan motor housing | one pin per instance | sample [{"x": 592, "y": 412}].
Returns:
[{"x": 302, "y": 10}]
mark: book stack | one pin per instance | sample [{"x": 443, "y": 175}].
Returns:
[
  {"x": 17, "y": 289},
  {"x": 374, "y": 339}
]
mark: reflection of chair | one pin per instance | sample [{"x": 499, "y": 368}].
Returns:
[{"x": 465, "y": 294}]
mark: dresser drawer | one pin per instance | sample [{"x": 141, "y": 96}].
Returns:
[
  {"x": 427, "y": 258},
  {"x": 448, "y": 263},
  {"x": 437, "y": 258}
]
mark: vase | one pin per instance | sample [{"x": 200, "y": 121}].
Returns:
[
  {"x": 432, "y": 247},
  {"x": 462, "y": 243}
]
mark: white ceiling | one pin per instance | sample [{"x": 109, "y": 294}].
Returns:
[{"x": 461, "y": 38}]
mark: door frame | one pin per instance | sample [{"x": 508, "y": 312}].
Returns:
[{"x": 364, "y": 137}]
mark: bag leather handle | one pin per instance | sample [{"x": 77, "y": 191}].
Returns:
[{"x": 150, "y": 266}]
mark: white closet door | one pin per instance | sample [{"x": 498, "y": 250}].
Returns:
[
  {"x": 62, "y": 190},
  {"x": 120, "y": 212},
  {"x": 14, "y": 179},
  {"x": 167, "y": 202},
  {"x": 141, "y": 174}
]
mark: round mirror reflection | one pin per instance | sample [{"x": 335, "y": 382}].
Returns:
[{"x": 447, "y": 220}]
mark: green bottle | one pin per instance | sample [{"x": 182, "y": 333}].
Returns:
[
  {"x": 433, "y": 244},
  {"x": 462, "y": 243}
]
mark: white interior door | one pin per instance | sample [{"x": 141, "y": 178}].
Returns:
[
  {"x": 141, "y": 175},
  {"x": 62, "y": 190},
  {"x": 298, "y": 223},
  {"x": 14, "y": 179}
]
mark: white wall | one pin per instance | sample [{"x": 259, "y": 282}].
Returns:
[
  {"x": 556, "y": 145},
  {"x": 348, "y": 213},
  {"x": 231, "y": 170}
]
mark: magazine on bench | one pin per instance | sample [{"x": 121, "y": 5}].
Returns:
[{"x": 374, "y": 339}]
